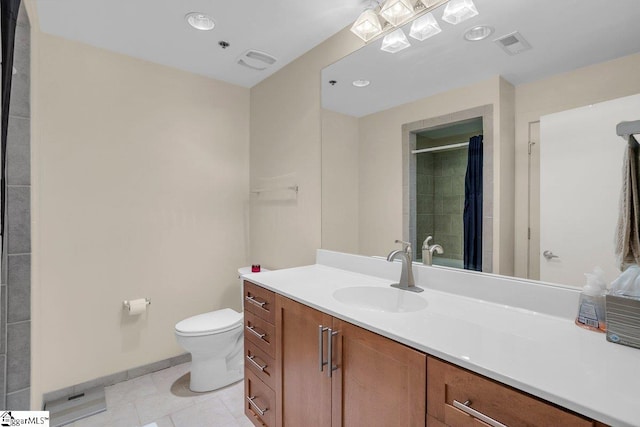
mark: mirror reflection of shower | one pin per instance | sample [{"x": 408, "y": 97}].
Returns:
[{"x": 441, "y": 167}]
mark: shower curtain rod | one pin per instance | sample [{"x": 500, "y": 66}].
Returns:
[
  {"x": 440, "y": 148},
  {"x": 625, "y": 129}
]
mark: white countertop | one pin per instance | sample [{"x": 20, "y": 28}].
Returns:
[{"x": 545, "y": 355}]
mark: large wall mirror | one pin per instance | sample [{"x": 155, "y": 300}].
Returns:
[{"x": 545, "y": 90}]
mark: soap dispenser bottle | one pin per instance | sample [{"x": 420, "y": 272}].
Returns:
[{"x": 591, "y": 309}]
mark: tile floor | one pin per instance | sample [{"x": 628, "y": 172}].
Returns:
[{"x": 164, "y": 398}]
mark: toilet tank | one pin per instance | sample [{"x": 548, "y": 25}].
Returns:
[{"x": 241, "y": 272}]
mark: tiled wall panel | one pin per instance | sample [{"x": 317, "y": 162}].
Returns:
[{"x": 15, "y": 292}]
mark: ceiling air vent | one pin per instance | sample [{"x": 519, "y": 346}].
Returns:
[
  {"x": 513, "y": 43},
  {"x": 256, "y": 60}
]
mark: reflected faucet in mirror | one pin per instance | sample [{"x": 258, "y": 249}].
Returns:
[
  {"x": 407, "y": 281},
  {"x": 428, "y": 250}
]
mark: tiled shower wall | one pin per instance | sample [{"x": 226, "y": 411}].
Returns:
[
  {"x": 440, "y": 199},
  {"x": 15, "y": 308},
  {"x": 425, "y": 209}
]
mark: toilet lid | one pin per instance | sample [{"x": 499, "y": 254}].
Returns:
[{"x": 212, "y": 322}]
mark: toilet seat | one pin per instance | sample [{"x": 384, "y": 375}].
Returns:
[{"x": 214, "y": 322}]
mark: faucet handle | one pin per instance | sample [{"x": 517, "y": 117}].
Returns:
[{"x": 425, "y": 245}]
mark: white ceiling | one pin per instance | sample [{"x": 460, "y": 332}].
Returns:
[
  {"x": 155, "y": 30},
  {"x": 565, "y": 35}
]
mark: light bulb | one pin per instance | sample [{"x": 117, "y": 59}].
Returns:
[
  {"x": 395, "y": 41},
  {"x": 424, "y": 27},
  {"x": 458, "y": 11}
]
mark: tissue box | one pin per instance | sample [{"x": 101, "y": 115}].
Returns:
[{"x": 623, "y": 320}]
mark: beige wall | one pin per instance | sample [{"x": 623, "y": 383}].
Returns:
[
  {"x": 140, "y": 190},
  {"x": 286, "y": 139},
  {"x": 381, "y": 169},
  {"x": 504, "y": 173},
  {"x": 588, "y": 85},
  {"x": 340, "y": 166}
]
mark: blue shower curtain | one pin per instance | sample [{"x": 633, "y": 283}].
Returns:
[{"x": 473, "y": 206}]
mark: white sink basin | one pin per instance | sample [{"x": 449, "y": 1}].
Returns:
[{"x": 384, "y": 300}]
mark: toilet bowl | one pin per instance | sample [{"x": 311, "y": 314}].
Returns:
[{"x": 215, "y": 341}]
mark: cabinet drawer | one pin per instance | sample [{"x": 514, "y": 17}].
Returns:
[
  {"x": 261, "y": 333},
  {"x": 259, "y": 301},
  {"x": 259, "y": 401},
  {"x": 447, "y": 383},
  {"x": 260, "y": 364}
]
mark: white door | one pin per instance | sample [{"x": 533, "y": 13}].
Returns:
[{"x": 580, "y": 178}]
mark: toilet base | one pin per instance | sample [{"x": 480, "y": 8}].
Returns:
[
  {"x": 211, "y": 374},
  {"x": 220, "y": 381}
]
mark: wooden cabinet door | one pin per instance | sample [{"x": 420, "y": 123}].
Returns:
[
  {"x": 378, "y": 382},
  {"x": 447, "y": 383},
  {"x": 303, "y": 392}
]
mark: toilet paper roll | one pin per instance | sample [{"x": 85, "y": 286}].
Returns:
[{"x": 137, "y": 306}]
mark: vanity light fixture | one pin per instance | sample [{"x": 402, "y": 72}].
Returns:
[
  {"x": 424, "y": 27},
  {"x": 361, "y": 83},
  {"x": 430, "y": 4},
  {"x": 200, "y": 21},
  {"x": 478, "y": 33},
  {"x": 379, "y": 19},
  {"x": 397, "y": 11},
  {"x": 395, "y": 42},
  {"x": 458, "y": 11}
]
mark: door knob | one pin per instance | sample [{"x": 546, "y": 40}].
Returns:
[{"x": 549, "y": 255}]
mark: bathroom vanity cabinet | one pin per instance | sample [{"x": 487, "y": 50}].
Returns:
[
  {"x": 306, "y": 368},
  {"x": 335, "y": 373},
  {"x": 289, "y": 382}
]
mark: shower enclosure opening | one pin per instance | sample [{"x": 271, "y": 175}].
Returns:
[{"x": 441, "y": 169}]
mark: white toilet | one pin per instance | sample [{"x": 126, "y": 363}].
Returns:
[{"x": 215, "y": 341}]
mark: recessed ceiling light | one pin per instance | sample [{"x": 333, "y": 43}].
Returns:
[
  {"x": 478, "y": 33},
  {"x": 200, "y": 21},
  {"x": 361, "y": 83}
]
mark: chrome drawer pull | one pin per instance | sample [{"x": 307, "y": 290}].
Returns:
[
  {"x": 331, "y": 366},
  {"x": 254, "y": 301},
  {"x": 256, "y": 364},
  {"x": 255, "y": 405},
  {"x": 256, "y": 333},
  {"x": 321, "y": 362},
  {"x": 466, "y": 407}
]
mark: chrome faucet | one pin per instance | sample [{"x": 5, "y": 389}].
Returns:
[
  {"x": 407, "y": 282},
  {"x": 428, "y": 250}
]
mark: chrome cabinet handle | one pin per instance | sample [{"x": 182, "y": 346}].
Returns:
[
  {"x": 256, "y": 333},
  {"x": 256, "y": 364},
  {"x": 321, "y": 331},
  {"x": 549, "y": 255},
  {"x": 255, "y": 405},
  {"x": 466, "y": 407},
  {"x": 331, "y": 366},
  {"x": 254, "y": 301}
]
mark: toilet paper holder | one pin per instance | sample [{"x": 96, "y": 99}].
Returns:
[{"x": 126, "y": 305}]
